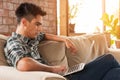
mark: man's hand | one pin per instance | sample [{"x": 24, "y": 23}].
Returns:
[
  {"x": 70, "y": 45},
  {"x": 58, "y": 69}
]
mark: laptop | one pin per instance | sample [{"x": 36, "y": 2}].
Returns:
[{"x": 73, "y": 69}]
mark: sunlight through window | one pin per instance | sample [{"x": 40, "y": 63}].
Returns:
[
  {"x": 89, "y": 14},
  {"x": 88, "y": 17}
]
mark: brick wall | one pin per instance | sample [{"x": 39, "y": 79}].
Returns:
[{"x": 8, "y": 19}]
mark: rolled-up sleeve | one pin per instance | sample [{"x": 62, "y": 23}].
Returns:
[{"x": 15, "y": 52}]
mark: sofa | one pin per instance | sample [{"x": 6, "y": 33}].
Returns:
[{"x": 89, "y": 47}]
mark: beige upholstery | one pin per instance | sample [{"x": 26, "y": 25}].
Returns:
[
  {"x": 2, "y": 57},
  {"x": 53, "y": 53},
  {"x": 10, "y": 73},
  {"x": 89, "y": 47}
]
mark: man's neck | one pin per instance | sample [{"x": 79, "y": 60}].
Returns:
[{"x": 20, "y": 30}]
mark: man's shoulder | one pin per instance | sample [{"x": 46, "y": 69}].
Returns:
[
  {"x": 10, "y": 43},
  {"x": 12, "y": 38},
  {"x": 13, "y": 41}
]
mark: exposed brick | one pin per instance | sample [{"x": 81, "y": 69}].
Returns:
[
  {"x": 12, "y": 28},
  {"x": 50, "y": 11},
  {"x": 54, "y": 1},
  {"x": 4, "y": 29},
  {"x": 45, "y": 29},
  {"x": 45, "y": 4},
  {"x": 2, "y": 0},
  {"x": 14, "y": 1},
  {"x": 5, "y": 0},
  {"x": 7, "y": 20},
  {"x": 15, "y": 6},
  {"x": 53, "y": 24},
  {"x": 7, "y": 14},
  {"x": 51, "y": 5},
  {"x": 20, "y": 1},
  {"x": 8, "y": 5},
  {"x": 12, "y": 13},
  {"x": 15, "y": 21},
  {"x": 3, "y": 12},
  {"x": 33, "y": 1},
  {"x": 51, "y": 30},
  {"x": 1, "y": 4},
  {"x": 0, "y": 20},
  {"x": 52, "y": 17},
  {"x": 46, "y": 9},
  {"x": 45, "y": 17},
  {"x": 46, "y": 23},
  {"x": 41, "y": 3}
]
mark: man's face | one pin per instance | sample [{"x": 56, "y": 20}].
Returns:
[{"x": 34, "y": 27}]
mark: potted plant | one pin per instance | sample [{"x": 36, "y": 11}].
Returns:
[
  {"x": 72, "y": 13},
  {"x": 117, "y": 34},
  {"x": 112, "y": 24}
]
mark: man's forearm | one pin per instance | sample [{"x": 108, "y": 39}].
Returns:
[
  {"x": 54, "y": 37},
  {"x": 29, "y": 64}
]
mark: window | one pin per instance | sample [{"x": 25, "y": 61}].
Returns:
[{"x": 87, "y": 19}]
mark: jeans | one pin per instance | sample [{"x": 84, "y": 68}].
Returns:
[{"x": 102, "y": 68}]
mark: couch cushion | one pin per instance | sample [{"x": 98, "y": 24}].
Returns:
[
  {"x": 89, "y": 47},
  {"x": 10, "y": 73},
  {"x": 83, "y": 50},
  {"x": 2, "y": 57},
  {"x": 100, "y": 46},
  {"x": 53, "y": 52}
]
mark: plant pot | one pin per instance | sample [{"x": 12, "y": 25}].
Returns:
[
  {"x": 117, "y": 43},
  {"x": 117, "y": 32}
]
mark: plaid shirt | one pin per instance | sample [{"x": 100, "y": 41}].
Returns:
[{"x": 18, "y": 46}]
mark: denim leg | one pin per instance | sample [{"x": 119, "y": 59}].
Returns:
[
  {"x": 113, "y": 74},
  {"x": 96, "y": 69}
]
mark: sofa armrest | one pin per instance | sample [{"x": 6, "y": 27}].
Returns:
[
  {"x": 10, "y": 73},
  {"x": 115, "y": 53}
]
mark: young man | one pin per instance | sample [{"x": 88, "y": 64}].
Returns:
[{"x": 21, "y": 48}]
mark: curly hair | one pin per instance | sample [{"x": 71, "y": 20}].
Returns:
[{"x": 28, "y": 11}]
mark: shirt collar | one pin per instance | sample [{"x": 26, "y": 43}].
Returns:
[{"x": 21, "y": 37}]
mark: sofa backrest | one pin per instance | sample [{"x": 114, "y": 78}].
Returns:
[
  {"x": 2, "y": 57},
  {"x": 89, "y": 47},
  {"x": 52, "y": 51}
]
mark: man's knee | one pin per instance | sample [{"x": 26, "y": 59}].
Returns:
[
  {"x": 113, "y": 74},
  {"x": 107, "y": 57}
]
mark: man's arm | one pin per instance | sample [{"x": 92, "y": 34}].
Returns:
[
  {"x": 29, "y": 64},
  {"x": 55, "y": 37},
  {"x": 67, "y": 42}
]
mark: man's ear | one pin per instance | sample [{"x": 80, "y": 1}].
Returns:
[{"x": 24, "y": 21}]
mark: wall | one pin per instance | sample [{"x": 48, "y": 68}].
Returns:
[{"x": 8, "y": 19}]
